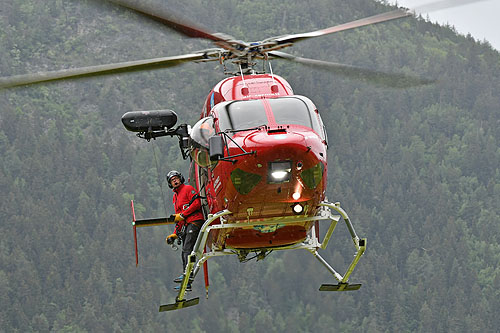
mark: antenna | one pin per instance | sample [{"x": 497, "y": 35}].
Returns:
[
  {"x": 271, "y": 69},
  {"x": 244, "y": 91},
  {"x": 274, "y": 86}
]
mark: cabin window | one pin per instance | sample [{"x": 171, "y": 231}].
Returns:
[{"x": 241, "y": 115}]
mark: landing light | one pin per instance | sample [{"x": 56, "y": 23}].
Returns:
[
  {"x": 280, "y": 172},
  {"x": 297, "y": 208},
  {"x": 296, "y": 196},
  {"x": 279, "y": 175}
]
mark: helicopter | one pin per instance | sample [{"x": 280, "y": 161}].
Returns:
[{"x": 258, "y": 153}]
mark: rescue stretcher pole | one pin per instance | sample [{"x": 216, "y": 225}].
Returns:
[
  {"x": 205, "y": 272},
  {"x": 135, "y": 233}
]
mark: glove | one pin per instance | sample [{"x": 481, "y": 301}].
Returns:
[
  {"x": 178, "y": 217},
  {"x": 171, "y": 238}
]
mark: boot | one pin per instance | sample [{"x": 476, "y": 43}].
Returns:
[
  {"x": 188, "y": 288},
  {"x": 180, "y": 277}
]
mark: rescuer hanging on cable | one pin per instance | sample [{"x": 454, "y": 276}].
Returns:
[{"x": 188, "y": 217}]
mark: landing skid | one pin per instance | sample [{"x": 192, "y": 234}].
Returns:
[
  {"x": 179, "y": 304},
  {"x": 311, "y": 244},
  {"x": 340, "y": 287}
]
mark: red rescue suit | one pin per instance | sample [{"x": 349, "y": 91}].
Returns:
[{"x": 191, "y": 212}]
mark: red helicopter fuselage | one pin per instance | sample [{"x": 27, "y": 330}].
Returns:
[{"x": 274, "y": 165}]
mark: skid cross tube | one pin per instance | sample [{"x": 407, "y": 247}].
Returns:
[
  {"x": 342, "y": 212},
  {"x": 198, "y": 253},
  {"x": 311, "y": 243}
]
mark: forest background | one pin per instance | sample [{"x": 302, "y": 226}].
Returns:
[{"x": 417, "y": 169}]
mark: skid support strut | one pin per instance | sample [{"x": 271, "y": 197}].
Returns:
[
  {"x": 180, "y": 301},
  {"x": 360, "y": 245}
]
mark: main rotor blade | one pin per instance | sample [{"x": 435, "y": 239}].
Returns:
[
  {"x": 379, "y": 18},
  {"x": 392, "y": 15},
  {"x": 122, "y": 67},
  {"x": 393, "y": 80},
  {"x": 159, "y": 14}
]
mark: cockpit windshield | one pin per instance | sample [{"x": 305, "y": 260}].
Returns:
[
  {"x": 290, "y": 111},
  {"x": 242, "y": 115}
]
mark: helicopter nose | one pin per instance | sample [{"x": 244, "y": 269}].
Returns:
[
  {"x": 286, "y": 157},
  {"x": 284, "y": 176}
]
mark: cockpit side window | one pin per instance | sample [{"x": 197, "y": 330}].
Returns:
[
  {"x": 241, "y": 115},
  {"x": 199, "y": 136},
  {"x": 202, "y": 131}
]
